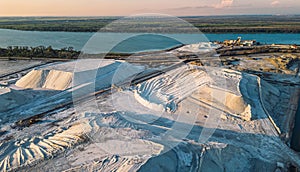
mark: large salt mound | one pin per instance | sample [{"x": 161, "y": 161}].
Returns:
[
  {"x": 48, "y": 79},
  {"x": 232, "y": 92},
  {"x": 59, "y": 76},
  {"x": 163, "y": 93},
  {"x": 15, "y": 154}
]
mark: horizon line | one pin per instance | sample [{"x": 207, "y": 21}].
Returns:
[{"x": 166, "y": 14}]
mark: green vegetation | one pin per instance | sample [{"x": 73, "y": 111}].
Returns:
[
  {"x": 210, "y": 24},
  {"x": 73, "y": 24},
  {"x": 41, "y": 52},
  {"x": 247, "y": 24}
]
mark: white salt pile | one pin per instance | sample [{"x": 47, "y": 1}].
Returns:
[
  {"x": 48, "y": 79},
  {"x": 164, "y": 92},
  {"x": 60, "y": 76},
  {"x": 26, "y": 151},
  {"x": 202, "y": 47}
]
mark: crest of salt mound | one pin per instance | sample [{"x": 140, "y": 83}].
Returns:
[{"x": 47, "y": 79}]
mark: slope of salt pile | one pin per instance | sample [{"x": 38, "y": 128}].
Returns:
[
  {"x": 16, "y": 154},
  {"x": 58, "y": 80},
  {"x": 10, "y": 98},
  {"x": 232, "y": 102},
  {"x": 163, "y": 93},
  {"x": 34, "y": 79},
  {"x": 60, "y": 76},
  {"x": 88, "y": 76},
  {"x": 48, "y": 79},
  {"x": 232, "y": 92},
  {"x": 216, "y": 88}
]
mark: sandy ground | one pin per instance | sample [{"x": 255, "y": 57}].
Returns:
[{"x": 11, "y": 66}]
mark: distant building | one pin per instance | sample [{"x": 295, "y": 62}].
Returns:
[
  {"x": 248, "y": 43},
  {"x": 294, "y": 47},
  {"x": 239, "y": 42}
]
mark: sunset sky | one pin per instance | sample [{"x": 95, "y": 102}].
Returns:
[{"x": 130, "y": 7}]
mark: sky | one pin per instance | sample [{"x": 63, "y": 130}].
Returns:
[{"x": 133, "y": 7}]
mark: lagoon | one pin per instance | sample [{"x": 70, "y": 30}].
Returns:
[{"x": 127, "y": 42}]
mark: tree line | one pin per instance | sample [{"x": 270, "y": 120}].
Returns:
[
  {"x": 40, "y": 51},
  {"x": 207, "y": 24}
]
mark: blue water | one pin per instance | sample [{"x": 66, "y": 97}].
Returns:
[{"x": 126, "y": 42}]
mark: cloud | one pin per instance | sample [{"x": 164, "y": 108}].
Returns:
[
  {"x": 191, "y": 8},
  {"x": 224, "y": 3},
  {"x": 274, "y": 3}
]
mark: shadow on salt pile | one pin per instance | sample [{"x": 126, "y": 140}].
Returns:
[
  {"x": 235, "y": 150},
  {"x": 209, "y": 157},
  {"x": 14, "y": 99},
  {"x": 243, "y": 99}
]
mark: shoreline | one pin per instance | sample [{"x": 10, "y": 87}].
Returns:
[
  {"x": 205, "y": 31},
  {"x": 222, "y": 51}
]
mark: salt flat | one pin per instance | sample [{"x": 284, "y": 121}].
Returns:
[{"x": 184, "y": 117}]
